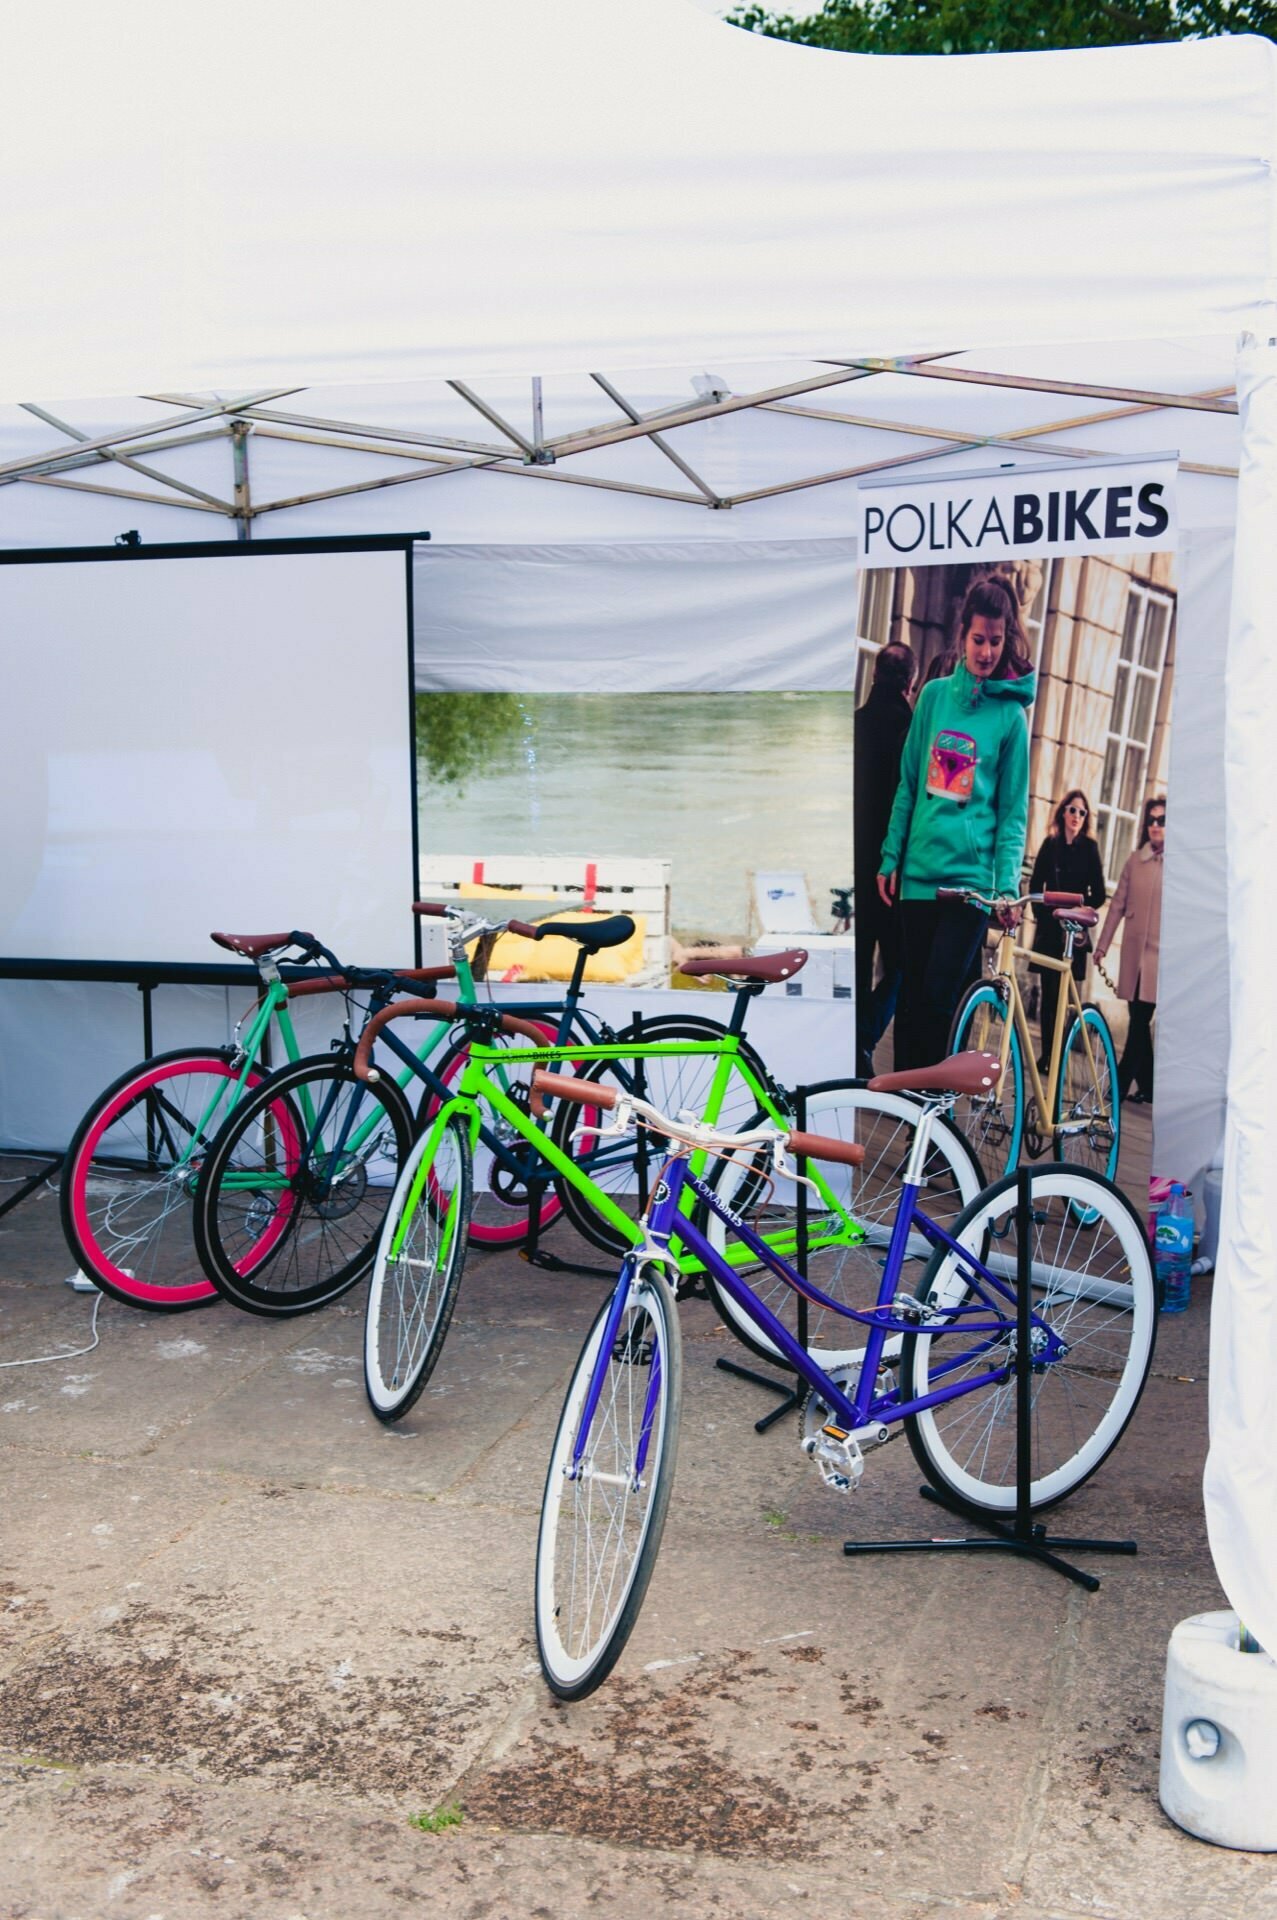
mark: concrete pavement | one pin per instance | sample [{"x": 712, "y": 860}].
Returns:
[{"x": 247, "y": 1635}]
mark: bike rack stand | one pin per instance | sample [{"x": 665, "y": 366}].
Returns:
[
  {"x": 1025, "y": 1537},
  {"x": 532, "y": 1251},
  {"x": 52, "y": 1163},
  {"x": 791, "y": 1398},
  {"x": 54, "y": 1159}
]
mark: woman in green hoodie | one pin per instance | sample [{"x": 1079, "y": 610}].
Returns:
[{"x": 960, "y": 814}]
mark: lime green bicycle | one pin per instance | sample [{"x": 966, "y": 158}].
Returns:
[{"x": 419, "y": 1261}]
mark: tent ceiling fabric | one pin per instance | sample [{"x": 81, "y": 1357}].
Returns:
[
  {"x": 780, "y": 444},
  {"x": 271, "y": 198}
]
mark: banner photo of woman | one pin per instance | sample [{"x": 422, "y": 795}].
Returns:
[{"x": 1035, "y": 757}]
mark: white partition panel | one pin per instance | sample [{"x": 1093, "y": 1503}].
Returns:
[{"x": 211, "y": 740}]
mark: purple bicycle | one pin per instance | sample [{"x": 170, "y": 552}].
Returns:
[{"x": 938, "y": 1359}]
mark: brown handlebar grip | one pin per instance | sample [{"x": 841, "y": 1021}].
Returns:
[
  {"x": 332, "y": 982},
  {"x": 427, "y": 973},
  {"x": 326, "y": 983},
  {"x": 1051, "y": 899},
  {"x": 816, "y": 1146},
  {"x": 522, "y": 927},
  {"x": 437, "y": 1009},
  {"x": 561, "y": 1086},
  {"x": 430, "y": 908}
]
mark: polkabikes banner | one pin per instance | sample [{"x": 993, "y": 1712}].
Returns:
[{"x": 1098, "y": 507}]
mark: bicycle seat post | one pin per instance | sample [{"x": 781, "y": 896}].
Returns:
[
  {"x": 933, "y": 1104},
  {"x": 746, "y": 991},
  {"x": 640, "y": 1093}
]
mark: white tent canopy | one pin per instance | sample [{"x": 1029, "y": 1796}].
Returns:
[
  {"x": 269, "y": 196},
  {"x": 555, "y": 274}
]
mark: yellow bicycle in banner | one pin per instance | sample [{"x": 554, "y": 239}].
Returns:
[{"x": 1076, "y": 1111}]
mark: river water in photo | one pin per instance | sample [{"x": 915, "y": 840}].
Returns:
[{"x": 718, "y": 784}]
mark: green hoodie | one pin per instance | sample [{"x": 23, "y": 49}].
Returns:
[{"x": 962, "y": 804}]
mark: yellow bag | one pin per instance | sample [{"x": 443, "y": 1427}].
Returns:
[{"x": 515, "y": 957}]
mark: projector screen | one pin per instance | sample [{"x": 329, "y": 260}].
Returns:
[{"x": 207, "y": 738}]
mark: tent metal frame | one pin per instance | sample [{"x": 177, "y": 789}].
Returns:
[{"x": 422, "y": 455}]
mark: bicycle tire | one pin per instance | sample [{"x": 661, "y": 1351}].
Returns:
[
  {"x": 1082, "y": 1096},
  {"x": 417, "y": 1272},
  {"x": 1096, "y": 1289},
  {"x": 883, "y": 1123},
  {"x": 126, "y": 1186},
  {"x": 595, "y": 1554},
  {"x": 992, "y": 1123},
  {"x": 673, "y": 1085},
  {"x": 287, "y": 1216},
  {"x": 498, "y": 1216}
]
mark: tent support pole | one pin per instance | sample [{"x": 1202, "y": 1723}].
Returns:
[{"x": 240, "y": 431}]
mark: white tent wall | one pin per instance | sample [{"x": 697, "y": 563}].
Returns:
[
  {"x": 642, "y": 617},
  {"x": 1241, "y": 1469},
  {"x": 1192, "y": 1012},
  {"x": 45, "y": 1087}
]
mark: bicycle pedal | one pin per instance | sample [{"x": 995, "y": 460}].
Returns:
[{"x": 838, "y": 1458}]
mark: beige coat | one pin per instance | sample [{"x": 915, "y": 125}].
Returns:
[{"x": 1136, "y": 907}]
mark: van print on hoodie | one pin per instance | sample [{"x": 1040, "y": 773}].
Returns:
[{"x": 951, "y": 767}]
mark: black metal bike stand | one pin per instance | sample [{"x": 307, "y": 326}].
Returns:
[
  {"x": 791, "y": 1397},
  {"x": 535, "y": 1255},
  {"x": 532, "y": 1251},
  {"x": 52, "y": 1163},
  {"x": 1024, "y": 1537}
]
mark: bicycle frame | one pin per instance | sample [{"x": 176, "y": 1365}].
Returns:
[
  {"x": 274, "y": 1005},
  {"x": 476, "y": 1083},
  {"x": 1003, "y": 977},
  {"x": 865, "y": 1407}
]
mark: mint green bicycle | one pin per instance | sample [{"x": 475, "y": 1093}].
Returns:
[
  {"x": 137, "y": 1154},
  {"x": 135, "y": 1160}
]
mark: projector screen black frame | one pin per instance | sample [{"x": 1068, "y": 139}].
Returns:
[{"x": 148, "y": 974}]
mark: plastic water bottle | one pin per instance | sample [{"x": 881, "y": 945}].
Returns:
[{"x": 1174, "y": 1248}]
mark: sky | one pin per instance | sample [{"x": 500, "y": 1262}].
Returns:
[{"x": 797, "y": 9}]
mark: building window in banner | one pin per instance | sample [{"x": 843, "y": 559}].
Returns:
[
  {"x": 873, "y": 627},
  {"x": 1138, "y": 723}
]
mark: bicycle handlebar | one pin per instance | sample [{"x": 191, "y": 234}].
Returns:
[
  {"x": 1051, "y": 898},
  {"x": 314, "y": 949},
  {"x": 558, "y": 1086},
  {"x": 691, "y": 1133},
  {"x": 436, "y": 1010},
  {"x": 396, "y": 979},
  {"x": 465, "y": 927}
]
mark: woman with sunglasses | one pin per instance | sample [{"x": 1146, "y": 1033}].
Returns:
[
  {"x": 1137, "y": 909},
  {"x": 1068, "y": 862}
]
